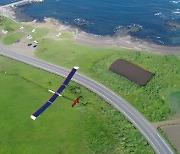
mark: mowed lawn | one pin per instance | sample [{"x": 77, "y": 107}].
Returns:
[
  {"x": 58, "y": 130},
  {"x": 92, "y": 126}
]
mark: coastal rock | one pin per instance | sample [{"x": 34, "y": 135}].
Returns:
[
  {"x": 123, "y": 31},
  {"x": 80, "y": 22},
  {"x": 172, "y": 24}
]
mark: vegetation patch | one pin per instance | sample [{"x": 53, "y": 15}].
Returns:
[
  {"x": 8, "y": 25},
  {"x": 93, "y": 126},
  {"x": 174, "y": 101},
  {"x": 13, "y": 38},
  {"x": 66, "y": 36},
  {"x": 39, "y": 33}
]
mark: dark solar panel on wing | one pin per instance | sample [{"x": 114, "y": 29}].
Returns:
[
  {"x": 41, "y": 109},
  {"x": 53, "y": 98},
  {"x": 73, "y": 71},
  {"x": 61, "y": 88}
]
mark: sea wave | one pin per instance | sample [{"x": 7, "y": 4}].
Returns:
[
  {"x": 177, "y": 11},
  {"x": 154, "y": 39},
  {"x": 158, "y": 14},
  {"x": 159, "y": 41},
  {"x": 124, "y": 30},
  {"x": 80, "y": 22},
  {"x": 175, "y": 2}
]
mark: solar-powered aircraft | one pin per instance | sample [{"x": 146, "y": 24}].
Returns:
[{"x": 55, "y": 95}]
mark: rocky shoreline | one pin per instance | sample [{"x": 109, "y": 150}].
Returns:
[{"x": 119, "y": 40}]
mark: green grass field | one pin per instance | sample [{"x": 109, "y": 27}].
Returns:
[
  {"x": 151, "y": 100},
  {"x": 8, "y": 25},
  {"x": 40, "y": 32},
  {"x": 12, "y": 38},
  {"x": 93, "y": 126},
  {"x": 174, "y": 101},
  {"x": 66, "y": 36},
  {"x": 14, "y": 32}
]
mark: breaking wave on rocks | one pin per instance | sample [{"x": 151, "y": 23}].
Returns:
[{"x": 125, "y": 30}]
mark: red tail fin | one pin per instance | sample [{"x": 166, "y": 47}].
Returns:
[{"x": 76, "y": 101}]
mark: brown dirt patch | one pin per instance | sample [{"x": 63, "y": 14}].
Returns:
[
  {"x": 131, "y": 71},
  {"x": 173, "y": 133},
  {"x": 22, "y": 47}
]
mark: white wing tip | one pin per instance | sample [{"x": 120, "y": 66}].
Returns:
[
  {"x": 76, "y": 67},
  {"x": 33, "y": 117}
]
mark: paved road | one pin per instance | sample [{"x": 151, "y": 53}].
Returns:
[{"x": 138, "y": 120}]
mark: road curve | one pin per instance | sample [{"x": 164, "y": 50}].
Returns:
[{"x": 159, "y": 145}]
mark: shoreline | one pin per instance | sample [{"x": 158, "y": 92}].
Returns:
[{"x": 83, "y": 38}]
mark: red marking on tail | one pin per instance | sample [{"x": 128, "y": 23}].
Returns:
[{"x": 76, "y": 101}]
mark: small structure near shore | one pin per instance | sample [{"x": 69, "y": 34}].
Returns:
[
  {"x": 22, "y": 2},
  {"x": 131, "y": 71},
  {"x": 4, "y": 31}
]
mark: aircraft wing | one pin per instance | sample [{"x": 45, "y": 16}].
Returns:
[{"x": 55, "y": 95}]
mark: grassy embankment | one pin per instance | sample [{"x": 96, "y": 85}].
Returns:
[{"x": 92, "y": 126}]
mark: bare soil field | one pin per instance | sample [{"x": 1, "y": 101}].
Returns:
[
  {"x": 173, "y": 134},
  {"x": 130, "y": 71}
]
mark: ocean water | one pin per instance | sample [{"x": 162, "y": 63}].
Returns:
[{"x": 144, "y": 19}]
